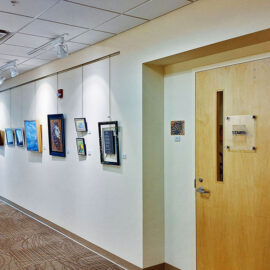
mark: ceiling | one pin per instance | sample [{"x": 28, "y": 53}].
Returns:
[{"x": 32, "y": 23}]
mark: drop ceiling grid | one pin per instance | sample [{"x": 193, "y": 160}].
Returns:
[{"x": 34, "y": 22}]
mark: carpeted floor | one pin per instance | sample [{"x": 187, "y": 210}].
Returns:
[{"x": 25, "y": 244}]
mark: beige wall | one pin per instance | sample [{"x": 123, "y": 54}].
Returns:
[{"x": 196, "y": 25}]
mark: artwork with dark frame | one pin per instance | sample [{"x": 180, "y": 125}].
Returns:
[
  {"x": 19, "y": 135},
  {"x": 109, "y": 143},
  {"x": 10, "y": 136},
  {"x": 2, "y": 137},
  {"x": 56, "y": 130},
  {"x": 80, "y": 124},
  {"x": 81, "y": 148}
]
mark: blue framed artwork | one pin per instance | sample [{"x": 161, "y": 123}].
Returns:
[
  {"x": 10, "y": 136},
  {"x": 56, "y": 129},
  {"x": 19, "y": 135},
  {"x": 33, "y": 135}
]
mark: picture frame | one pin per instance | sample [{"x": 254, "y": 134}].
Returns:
[
  {"x": 109, "y": 143},
  {"x": 2, "y": 137},
  {"x": 10, "y": 136},
  {"x": 80, "y": 124},
  {"x": 33, "y": 135},
  {"x": 19, "y": 137},
  {"x": 81, "y": 147},
  {"x": 178, "y": 127},
  {"x": 56, "y": 133}
]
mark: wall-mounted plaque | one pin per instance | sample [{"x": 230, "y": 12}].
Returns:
[
  {"x": 109, "y": 143},
  {"x": 240, "y": 133}
]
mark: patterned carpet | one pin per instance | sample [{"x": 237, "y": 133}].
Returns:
[{"x": 25, "y": 244}]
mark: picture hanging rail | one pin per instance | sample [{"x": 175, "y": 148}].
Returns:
[
  {"x": 109, "y": 143},
  {"x": 56, "y": 133}
]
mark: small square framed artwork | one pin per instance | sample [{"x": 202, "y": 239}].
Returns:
[
  {"x": 56, "y": 129},
  {"x": 81, "y": 148},
  {"x": 177, "y": 128},
  {"x": 19, "y": 135},
  {"x": 10, "y": 136},
  {"x": 80, "y": 124}
]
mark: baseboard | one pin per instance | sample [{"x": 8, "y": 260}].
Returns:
[
  {"x": 95, "y": 248},
  {"x": 162, "y": 266}
]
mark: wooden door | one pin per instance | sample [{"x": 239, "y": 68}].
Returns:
[{"x": 233, "y": 220}]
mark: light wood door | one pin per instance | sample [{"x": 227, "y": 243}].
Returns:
[{"x": 233, "y": 220}]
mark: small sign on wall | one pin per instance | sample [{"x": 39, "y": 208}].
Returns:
[{"x": 177, "y": 127}]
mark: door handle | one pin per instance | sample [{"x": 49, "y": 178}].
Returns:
[{"x": 202, "y": 190}]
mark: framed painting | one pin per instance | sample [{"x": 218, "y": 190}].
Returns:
[
  {"x": 81, "y": 148},
  {"x": 56, "y": 129},
  {"x": 33, "y": 135},
  {"x": 80, "y": 124},
  {"x": 10, "y": 136},
  {"x": 2, "y": 137},
  {"x": 19, "y": 135},
  {"x": 177, "y": 127},
  {"x": 109, "y": 143}
]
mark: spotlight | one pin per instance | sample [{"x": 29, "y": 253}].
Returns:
[
  {"x": 58, "y": 43},
  {"x": 12, "y": 67},
  {"x": 2, "y": 79}
]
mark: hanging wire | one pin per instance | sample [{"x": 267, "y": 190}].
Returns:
[
  {"x": 82, "y": 89},
  {"x": 110, "y": 116},
  {"x": 57, "y": 86}
]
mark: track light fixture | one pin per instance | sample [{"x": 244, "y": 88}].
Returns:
[
  {"x": 58, "y": 43},
  {"x": 2, "y": 79},
  {"x": 12, "y": 67}
]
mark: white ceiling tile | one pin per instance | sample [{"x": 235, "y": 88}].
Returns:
[
  {"x": 78, "y": 15},
  {"x": 12, "y": 23},
  {"x": 92, "y": 37},
  {"x": 120, "y": 24},
  {"x": 51, "y": 29},
  {"x": 156, "y": 8},
  {"x": 7, "y": 58},
  {"x": 14, "y": 50},
  {"x": 27, "y": 40},
  {"x": 114, "y": 5},
  {"x": 34, "y": 62},
  {"x": 47, "y": 55},
  {"x": 26, "y": 7},
  {"x": 73, "y": 47}
]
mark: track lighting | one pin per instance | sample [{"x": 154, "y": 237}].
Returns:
[
  {"x": 2, "y": 79},
  {"x": 58, "y": 43},
  {"x": 12, "y": 67}
]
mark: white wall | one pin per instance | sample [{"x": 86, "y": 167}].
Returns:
[
  {"x": 66, "y": 195},
  {"x": 179, "y": 172}
]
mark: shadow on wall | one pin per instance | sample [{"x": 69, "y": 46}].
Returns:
[
  {"x": 34, "y": 157},
  {"x": 2, "y": 151}
]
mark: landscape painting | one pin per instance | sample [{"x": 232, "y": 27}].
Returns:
[
  {"x": 19, "y": 135},
  {"x": 10, "y": 136},
  {"x": 33, "y": 135},
  {"x": 56, "y": 130}
]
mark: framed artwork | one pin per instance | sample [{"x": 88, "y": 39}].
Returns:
[
  {"x": 177, "y": 127},
  {"x": 109, "y": 143},
  {"x": 56, "y": 129},
  {"x": 80, "y": 124},
  {"x": 10, "y": 136},
  {"x": 2, "y": 137},
  {"x": 81, "y": 146},
  {"x": 19, "y": 135},
  {"x": 33, "y": 135}
]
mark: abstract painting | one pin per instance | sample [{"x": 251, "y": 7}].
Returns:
[
  {"x": 56, "y": 128},
  {"x": 10, "y": 136},
  {"x": 109, "y": 143},
  {"x": 177, "y": 127},
  {"x": 2, "y": 137},
  {"x": 33, "y": 135},
  {"x": 19, "y": 135},
  {"x": 80, "y": 124},
  {"x": 81, "y": 146}
]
